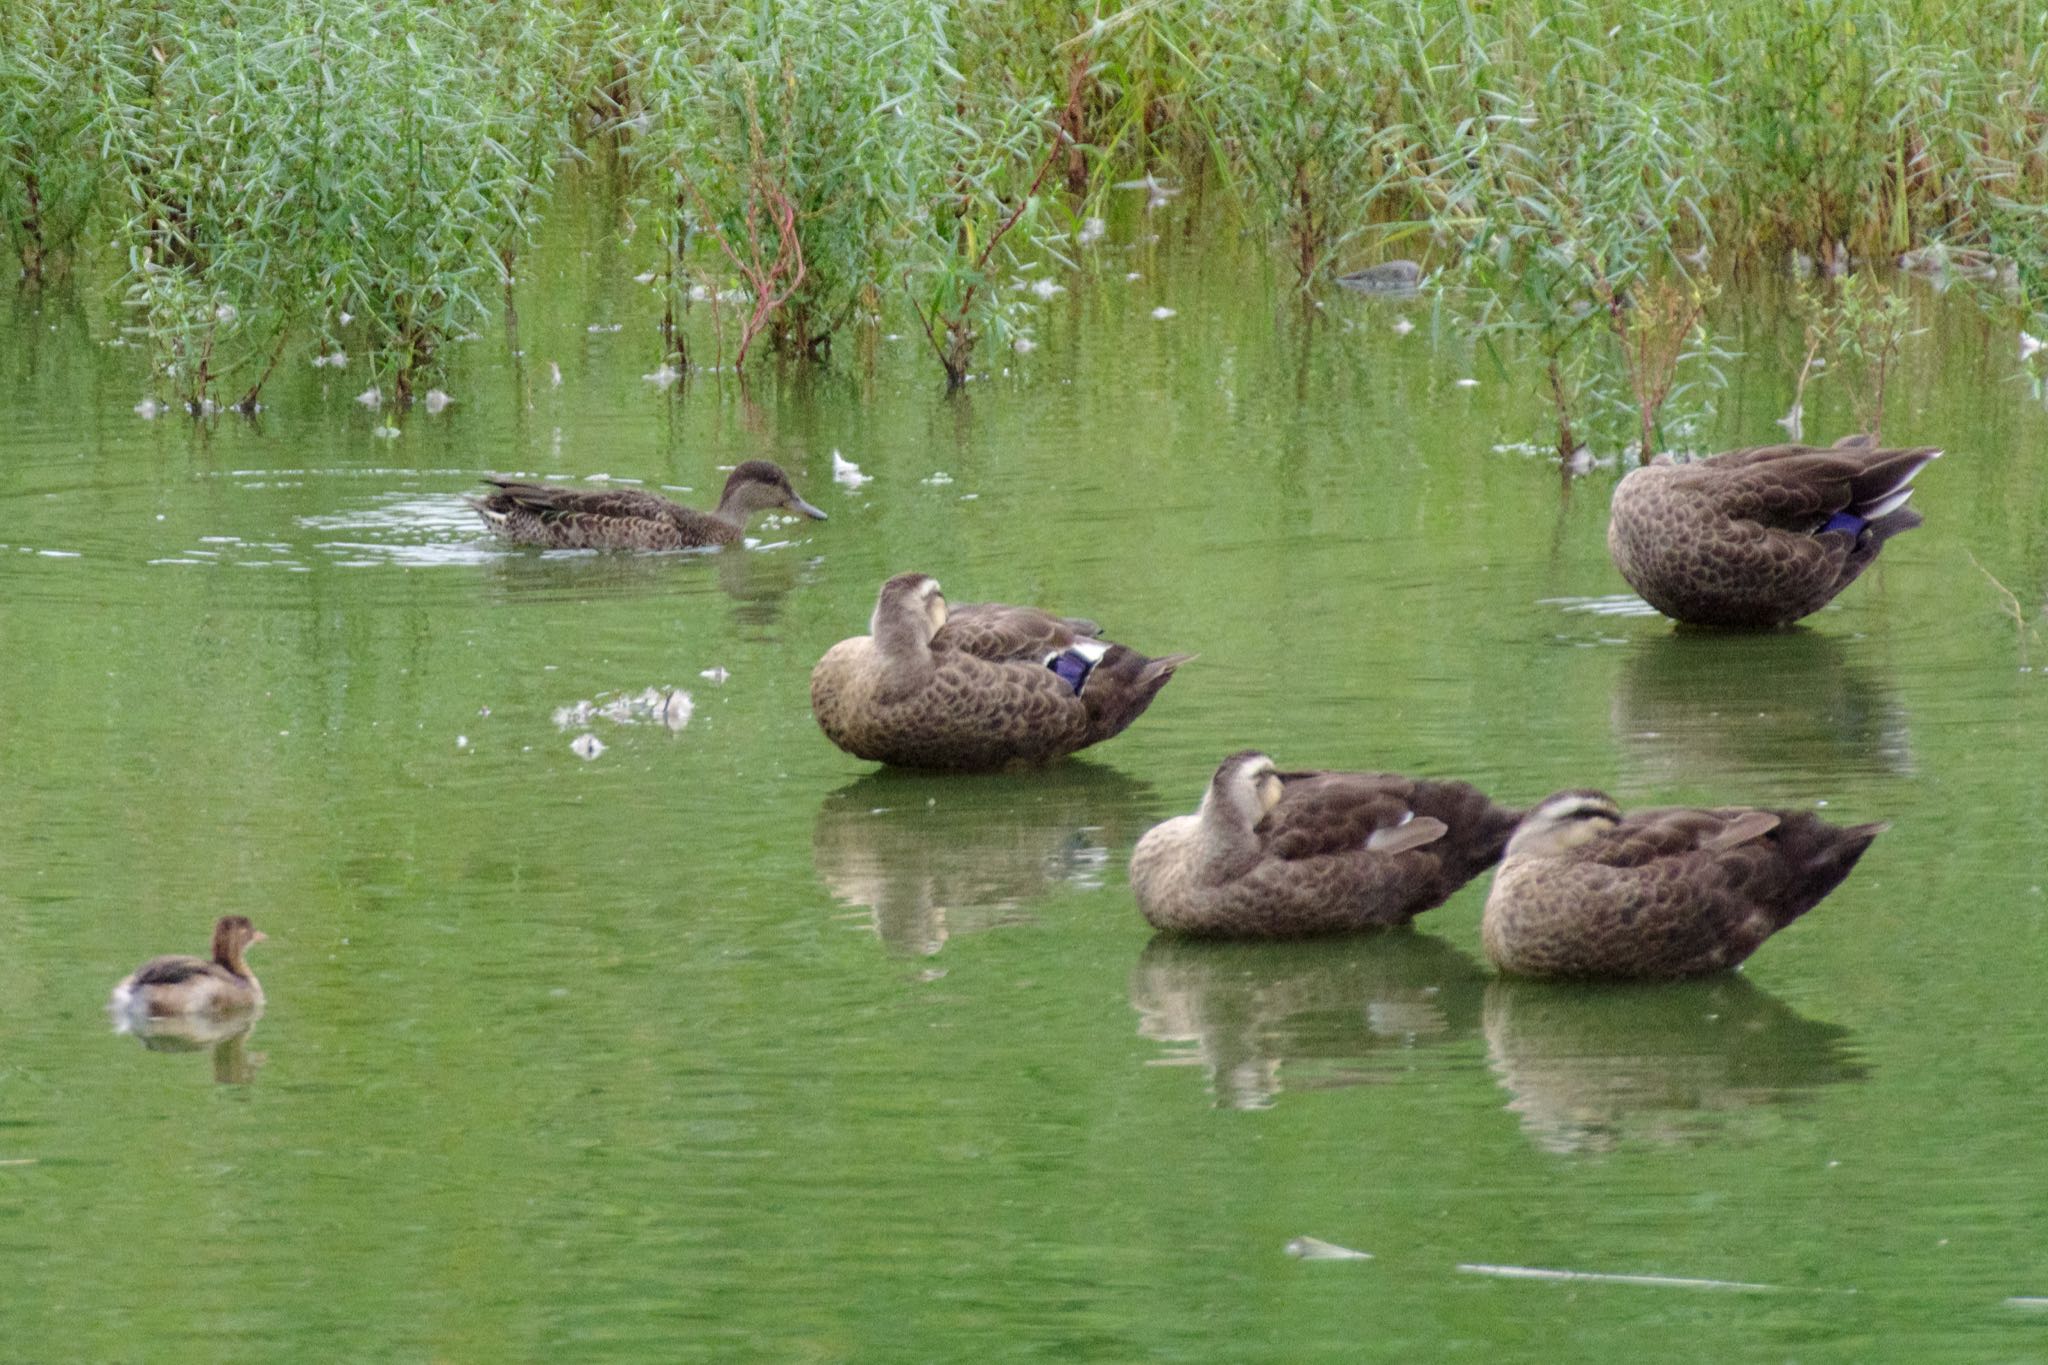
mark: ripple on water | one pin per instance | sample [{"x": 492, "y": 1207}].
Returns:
[
  {"x": 408, "y": 529},
  {"x": 1614, "y": 604}
]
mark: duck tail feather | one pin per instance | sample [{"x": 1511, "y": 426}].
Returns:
[
  {"x": 1828, "y": 860},
  {"x": 1890, "y": 524},
  {"x": 1882, "y": 483}
]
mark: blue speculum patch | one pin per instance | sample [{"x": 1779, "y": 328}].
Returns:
[
  {"x": 1845, "y": 521},
  {"x": 1073, "y": 668}
]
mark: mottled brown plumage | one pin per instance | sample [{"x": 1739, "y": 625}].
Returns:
[
  {"x": 1273, "y": 854},
  {"x": 1584, "y": 892},
  {"x": 1760, "y": 537},
  {"x": 631, "y": 518},
  {"x": 975, "y": 689},
  {"x": 180, "y": 985}
]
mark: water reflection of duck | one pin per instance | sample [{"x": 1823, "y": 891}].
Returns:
[
  {"x": 930, "y": 858},
  {"x": 1323, "y": 1011},
  {"x": 758, "y": 582},
  {"x": 1588, "y": 1068},
  {"x": 1753, "y": 707},
  {"x": 226, "y": 1036},
  {"x": 633, "y": 518}
]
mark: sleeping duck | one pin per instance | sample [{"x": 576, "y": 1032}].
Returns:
[
  {"x": 1273, "y": 854},
  {"x": 1584, "y": 891},
  {"x": 977, "y": 688},
  {"x": 631, "y": 518},
  {"x": 179, "y": 985},
  {"x": 1760, "y": 537}
]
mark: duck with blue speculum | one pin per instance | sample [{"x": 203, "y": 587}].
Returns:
[
  {"x": 1586, "y": 892},
  {"x": 1757, "y": 538},
  {"x": 1274, "y": 854},
  {"x": 631, "y": 518},
  {"x": 977, "y": 688}
]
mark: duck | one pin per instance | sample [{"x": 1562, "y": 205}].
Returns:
[
  {"x": 1388, "y": 277},
  {"x": 1757, "y": 538},
  {"x": 631, "y": 518},
  {"x": 179, "y": 985},
  {"x": 983, "y": 687},
  {"x": 1938, "y": 258},
  {"x": 1586, "y": 892},
  {"x": 1274, "y": 854}
]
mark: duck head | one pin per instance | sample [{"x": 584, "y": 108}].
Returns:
[
  {"x": 756, "y": 485},
  {"x": 1245, "y": 787},
  {"x": 908, "y": 613},
  {"x": 232, "y": 934},
  {"x": 1563, "y": 820}
]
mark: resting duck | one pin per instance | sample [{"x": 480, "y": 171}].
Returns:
[
  {"x": 977, "y": 688},
  {"x": 1583, "y": 891},
  {"x": 1388, "y": 277},
  {"x": 1760, "y": 537},
  {"x": 179, "y": 985},
  {"x": 632, "y": 519},
  {"x": 1273, "y": 854}
]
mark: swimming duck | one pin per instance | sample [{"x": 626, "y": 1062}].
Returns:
[
  {"x": 180, "y": 985},
  {"x": 1273, "y": 854},
  {"x": 632, "y": 519},
  {"x": 1760, "y": 537},
  {"x": 977, "y": 688},
  {"x": 1583, "y": 891}
]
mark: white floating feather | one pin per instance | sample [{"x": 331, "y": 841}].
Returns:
[
  {"x": 1523, "y": 1272},
  {"x": 847, "y": 472},
  {"x": 676, "y": 709},
  {"x": 1316, "y": 1249}
]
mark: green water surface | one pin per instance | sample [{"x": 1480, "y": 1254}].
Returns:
[{"x": 722, "y": 1045}]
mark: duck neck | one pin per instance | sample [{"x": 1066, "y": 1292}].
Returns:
[
  {"x": 1225, "y": 843},
  {"x": 903, "y": 639},
  {"x": 737, "y": 503},
  {"x": 227, "y": 951}
]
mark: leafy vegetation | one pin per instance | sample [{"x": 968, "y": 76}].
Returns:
[{"x": 304, "y": 176}]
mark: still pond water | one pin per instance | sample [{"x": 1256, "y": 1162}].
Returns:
[{"x": 721, "y": 1045}]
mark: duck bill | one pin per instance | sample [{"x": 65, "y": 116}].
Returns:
[{"x": 797, "y": 504}]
